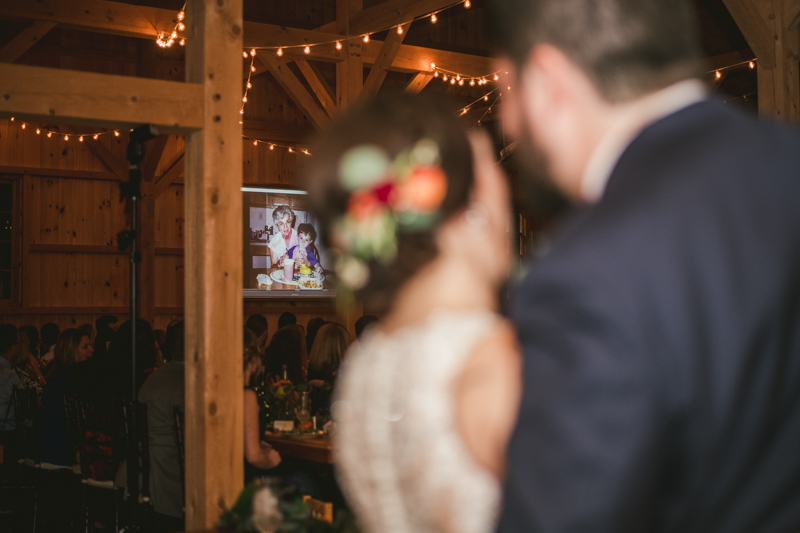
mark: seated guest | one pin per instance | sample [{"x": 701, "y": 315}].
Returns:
[
  {"x": 9, "y": 380},
  {"x": 311, "y": 331},
  {"x": 72, "y": 350},
  {"x": 27, "y": 367},
  {"x": 33, "y": 338},
  {"x": 258, "y": 455},
  {"x": 88, "y": 330},
  {"x": 169, "y": 341},
  {"x": 161, "y": 343},
  {"x": 287, "y": 350},
  {"x": 363, "y": 322},
  {"x": 286, "y": 319},
  {"x": 50, "y": 333},
  {"x": 258, "y": 325},
  {"x": 323, "y": 363},
  {"x": 162, "y": 391},
  {"x": 106, "y": 325},
  {"x": 116, "y": 371}
]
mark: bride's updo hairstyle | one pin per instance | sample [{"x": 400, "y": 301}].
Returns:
[{"x": 380, "y": 224}]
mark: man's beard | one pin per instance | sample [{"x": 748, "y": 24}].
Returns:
[{"x": 536, "y": 188}]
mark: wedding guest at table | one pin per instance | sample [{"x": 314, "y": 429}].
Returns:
[
  {"x": 27, "y": 367},
  {"x": 72, "y": 351},
  {"x": 259, "y": 326},
  {"x": 33, "y": 338},
  {"x": 9, "y": 380},
  {"x": 311, "y": 331},
  {"x": 105, "y": 325},
  {"x": 286, "y": 319},
  {"x": 363, "y": 322},
  {"x": 89, "y": 331},
  {"x": 323, "y": 363},
  {"x": 50, "y": 332},
  {"x": 165, "y": 349},
  {"x": 286, "y": 236},
  {"x": 162, "y": 391},
  {"x": 287, "y": 350},
  {"x": 259, "y": 456}
]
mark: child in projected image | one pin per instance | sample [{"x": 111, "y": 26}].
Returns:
[{"x": 306, "y": 252}]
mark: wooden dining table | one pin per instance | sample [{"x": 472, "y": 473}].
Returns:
[{"x": 318, "y": 449}]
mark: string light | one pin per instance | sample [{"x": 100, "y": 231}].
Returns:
[
  {"x": 49, "y": 134},
  {"x": 166, "y": 40},
  {"x": 12, "y": 119},
  {"x": 467, "y": 4},
  {"x": 252, "y": 68},
  {"x": 38, "y": 131},
  {"x": 183, "y": 42},
  {"x": 95, "y": 136},
  {"x": 399, "y": 30},
  {"x": 253, "y": 52},
  {"x": 181, "y": 14},
  {"x": 23, "y": 125},
  {"x": 244, "y": 55},
  {"x": 433, "y": 65},
  {"x": 244, "y": 99},
  {"x": 752, "y": 65},
  {"x": 66, "y": 137},
  {"x": 255, "y": 142},
  {"x": 307, "y": 50},
  {"x": 338, "y": 45},
  {"x": 718, "y": 74},
  {"x": 116, "y": 133},
  {"x": 366, "y": 38},
  {"x": 249, "y": 85},
  {"x": 271, "y": 146},
  {"x": 280, "y": 52},
  {"x": 434, "y": 18},
  {"x": 80, "y": 138}
]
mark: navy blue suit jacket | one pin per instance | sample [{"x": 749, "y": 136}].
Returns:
[{"x": 661, "y": 339}]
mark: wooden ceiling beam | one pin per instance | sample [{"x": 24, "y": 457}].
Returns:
[
  {"x": 275, "y": 131},
  {"x": 153, "y": 152},
  {"x": 174, "y": 170},
  {"x": 318, "y": 85},
  {"x": 286, "y": 79},
  {"x": 85, "y": 98},
  {"x": 117, "y": 18},
  {"x": 419, "y": 82},
  {"x": 101, "y": 152},
  {"x": 389, "y": 50},
  {"x": 754, "y": 27},
  {"x": 385, "y": 15},
  {"x": 26, "y": 38}
]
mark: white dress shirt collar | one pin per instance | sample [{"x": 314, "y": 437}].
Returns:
[{"x": 627, "y": 125}]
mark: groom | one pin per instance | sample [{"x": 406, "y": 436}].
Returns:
[{"x": 661, "y": 332}]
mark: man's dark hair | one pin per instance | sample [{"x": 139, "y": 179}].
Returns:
[
  {"x": 33, "y": 337},
  {"x": 287, "y": 319},
  {"x": 175, "y": 341},
  {"x": 257, "y": 324},
  {"x": 627, "y": 47},
  {"x": 8, "y": 337},
  {"x": 50, "y": 333},
  {"x": 363, "y": 322},
  {"x": 311, "y": 331}
]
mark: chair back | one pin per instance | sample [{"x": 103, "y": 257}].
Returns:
[
  {"x": 71, "y": 426},
  {"x": 179, "y": 420},
  {"x": 101, "y": 438},
  {"x": 26, "y": 413},
  {"x": 137, "y": 437}
]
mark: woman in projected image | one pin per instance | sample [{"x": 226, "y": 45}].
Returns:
[
  {"x": 306, "y": 251},
  {"x": 286, "y": 237}
]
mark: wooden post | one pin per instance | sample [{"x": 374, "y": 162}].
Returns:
[
  {"x": 350, "y": 72},
  {"x": 213, "y": 252},
  {"x": 146, "y": 271}
]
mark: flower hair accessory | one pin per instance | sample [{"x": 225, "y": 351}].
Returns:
[{"x": 386, "y": 197}]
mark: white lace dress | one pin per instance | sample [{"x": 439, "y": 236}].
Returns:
[{"x": 400, "y": 460}]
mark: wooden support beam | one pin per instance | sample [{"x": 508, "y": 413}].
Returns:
[
  {"x": 286, "y": 78},
  {"x": 153, "y": 152},
  {"x": 276, "y": 131},
  {"x": 174, "y": 169},
  {"x": 89, "y": 99},
  {"x": 350, "y": 72},
  {"x": 754, "y": 27},
  {"x": 26, "y": 38},
  {"x": 146, "y": 245},
  {"x": 385, "y": 15},
  {"x": 318, "y": 85},
  {"x": 419, "y": 82},
  {"x": 101, "y": 152},
  {"x": 389, "y": 50},
  {"x": 213, "y": 264}
]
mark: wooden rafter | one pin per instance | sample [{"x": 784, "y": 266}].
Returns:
[
  {"x": 754, "y": 28},
  {"x": 153, "y": 152},
  {"x": 174, "y": 170},
  {"x": 91, "y": 99},
  {"x": 389, "y": 50},
  {"x": 26, "y": 38},
  {"x": 386, "y": 15},
  {"x": 419, "y": 82},
  {"x": 318, "y": 85},
  {"x": 101, "y": 152},
  {"x": 286, "y": 79},
  {"x": 276, "y": 131}
]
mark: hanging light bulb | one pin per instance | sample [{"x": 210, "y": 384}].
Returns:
[
  {"x": 338, "y": 45},
  {"x": 12, "y": 119},
  {"x": 452, "y": 81},
  {"x": 252, "y": 68},
  {"x": 116, "y": 133},
  {"x": 253, "y": 52},
  {"x": 496, "y": 77},
  {"x": 23, "y": 125},
  {"x": 366, "y": 38},
  {"x": 752, "y": 64},
  {"x": 467, "y": 4},
  {"x": 181, "y": 26},
  {"x": 271, "y": 146},
  {"x": 49, "y": 134},
  {"x": 38, "y": 131},
  {"x": 444, "y": 78},
  {"x": 472, "y": 83},
  {"x": 66, "y": 137},
  {"x": 280, "y": 52},
  {"x": 718, "y": 74},
  {"x": 461, "y": 82},
  {"x": 436, "y": 74},
  {"x": 434, "y": 18},
  {"x": 399, "y": 30},
  {"x": 255, "y": 143},
  {"x": 486, "y": 98},
  {"x": 174, "y": 35},
  {"x": 291, "y": 151},
  {"x": 182, "y": 42},
  {"x": 458, "y": 77},
  {"x": 249, "y": 85},
  {"x": 307, "y": 50},
  {"x": 181, "y": 15},
  {"x": 94, "y": 136},
  {"x": 464, "y": 111},
  {"x": 433, "y": 65},
  {"x": 244, "y": 99},
  {"x": 244, "y": 54},
  {"x": 241, "y": 111},
  {"x": 80, "y": 138}
]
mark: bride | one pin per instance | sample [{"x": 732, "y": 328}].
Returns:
[{"x": 425, "y": 403}]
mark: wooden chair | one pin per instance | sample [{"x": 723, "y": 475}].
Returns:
[
  {"x": 137, "y": 438},
  {"x": 320, "y": 510}
]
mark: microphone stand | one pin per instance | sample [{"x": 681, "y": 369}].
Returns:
[{"x": 125, "y": 239}]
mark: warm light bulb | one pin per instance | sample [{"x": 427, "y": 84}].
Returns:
[
  {"x": 255, "y": 143},
  {"x": 80, "y": 138},
  {"x": 253, "y": 52},
  {"x": 436, "y": 74},
  {"x": 244, "y": 99},
  {"x": 467, "y": 4},
  {"x": 244, "y": 55},
  {"x": 461, "y": 82},
  {"x": 12, "y": 119},
  {"x": 452, "y": 81},
  {"x": 306, "y": 152},
  {"x": 23, "y": 125},
  {"x": 271, "y": 146},
  {"x": 434, "y": 18},
  {"x": 307, "y": 50},
  {"x": 174, "y": 35},
  {"x": 338, "y": 45},
  {"x": 444, "y": 78},
  {"x": 280, "y": 52},
  {"x": 116, "y": 133},
  {"x": 252, "y": 68},
  {"x": 181, "y": 26},
  {"x": 181, "y": 14},
  {"x": 752, "y": 65},
  {"x": 291, "y": 151},
  {"x": 486, "y": 98},
  {"x": 399, "y": 30},
  {"x": 66, "y": 137},
  {"x": 463, "y": 111},
  {"x": 49, "y": 133},
  {"x": 458, "y": 77},
  {"x": 94, "y": 136},
  {"x": 182, "y": 42},
  {"x": 719, "y": 74},
  {"x": 366, "y": 38},
  {"x": 433, "y": 65},
  {"x": 241, "y": 111},
  {"x": 472, "y": 83},
  {"x": 38, "y": 131},
  {"x": 249, "y": 85},
  {"x": 496, "y": 77}
]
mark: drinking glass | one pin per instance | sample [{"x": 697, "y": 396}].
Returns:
[{"x": 303, "y": 410}]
